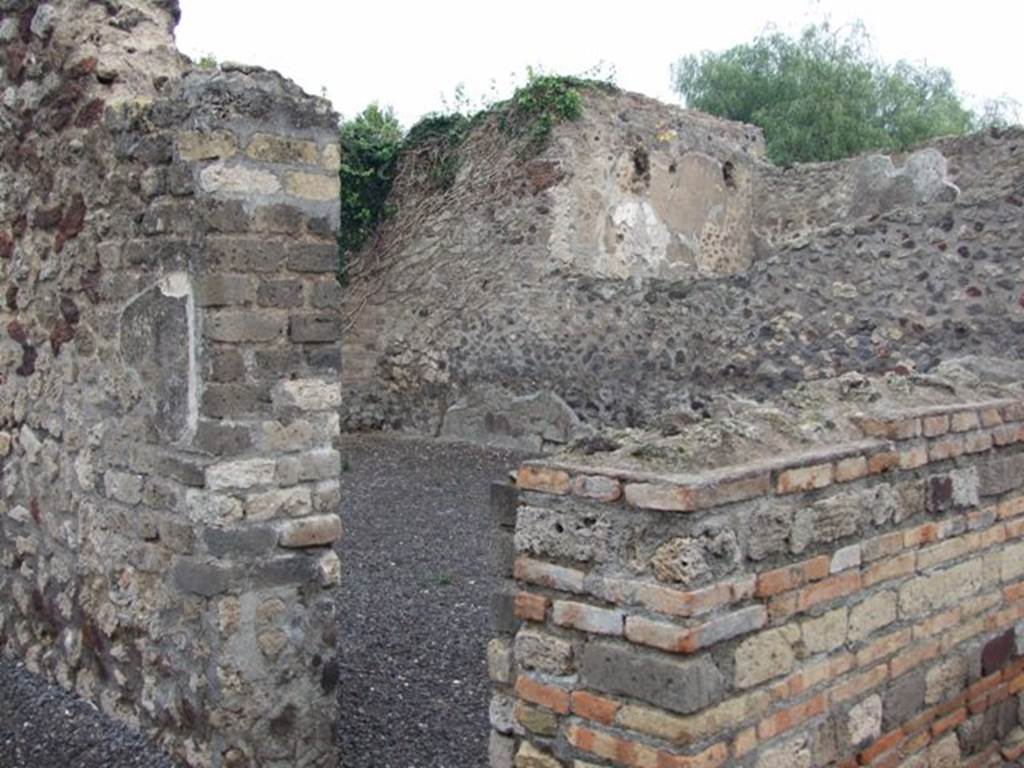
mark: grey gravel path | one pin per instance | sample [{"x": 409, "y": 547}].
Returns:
[
  {"x": 414, "y": 603},
  {"x": 414, "y": 623},
  {"x": 41, "y": 726}
]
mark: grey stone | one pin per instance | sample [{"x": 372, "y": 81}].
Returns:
[
  {"x": 504, "y": 504},
  {"x": 769, "y": 531},
  {"x": 240, "y": 542},
  {"x": 501, "y": 750},
  {"x": 155, "y": 341},
  {"x": 315, "y": 328},
  {"x": 491, "y": 416},
  {"x": 580, "y": 535},
  {"x": 543, "y": 652},
  {"x": 201, "y": 578},
  {"x": 503, "y": 552},
  {"x": 285, "y": 571},
  {"x": 683, "y": 686},
  {"x": 311, "y": 257},
  {"x": 503, "y": 613},
  {"x": 902, "y": 700},
  {"x": 999, "y": 475},
  {"x": 280, "y": 293}
]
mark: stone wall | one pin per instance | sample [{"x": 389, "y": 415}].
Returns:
[
  {"x": 856, "y": 603},
  {"x": 649, "y": 259},
  {"x": 169, "y": 388}
]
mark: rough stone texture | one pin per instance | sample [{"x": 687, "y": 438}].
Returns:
[
  {"x": 137, "y": 383},
  {"x": 646, "y": 296}
]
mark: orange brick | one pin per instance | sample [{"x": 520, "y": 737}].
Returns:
[
  {"x": 964, "y": 421},
  {"x": 712, "y": 757},
  {"x": 914, "y": 457},
  {"x": 661, "y": 635},
  {"x": 531, "y": 607},
  {"x": 806, "y": 679},
  {"x": 884, "y": 646},
  {"x": 596, "y": 708},
  {"x": 915, "y": 744},
  {"x": 977, "y": 442},
  {"x": 990, "y": 417},
  {"x": 992, "y": 536},
  {"x": 1016, "y": 685},
  {"x": 1014, "y": 592},
  {"x": 785, "y": 719},
  {"x": 792, "y": 576},
  {"x": 1015, "y": 528},
  {"x": 882, "y": 546},
  {"x": 934, "y": 426},
  {"x": 783, "y": 606},
  {"x": 883, "y": 462},
  {"x": 805, "y": 479},
  {"x": 936, "y": 624},
  {"x": 838, "y": 586},
  {"x": 944, "y": 724},
  {"x": 851, "y": 469},
  {"x": 882, "y": 745},
  {"x": 921, "y": 722},
  {"x": 673, "y": 602},
  {"x": 859, "y": 684},
  {"x": 923, "y": 534},
  {"x": 913, "y": 657},
  {"x": 945, "y": 448},
  {"x": 745, "y": 741},
  {"x": 543, "y": 479},
  {"x": 894, "y": 568},
  {"x": 1010, "y": 508},
  {"x": 548, "y": 696}
]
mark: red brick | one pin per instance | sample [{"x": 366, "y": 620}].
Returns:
[
  {"x": 530, "y": 607},
  {"x": 964, "y": 421},
  {"x": 977, "y": 442},
  {"x": 990, "y": 417},
  {"x": 792, "y": 576},
  {"x": 596, "y": 708},
  {"x": 949, "y": 721},
  {"x": 882, "y": 745},
  {"x": 548, "y": 696},
  {"x": 685, "y": 604},
  {"x": 1014, "y": 592},
  {"x": 882, "y": 546},
  {"x": 805, "y": 479},
  {"x": 851, "y": 469},
  {"x": 884, "y": 646},
  {"x": 912, "y": 658},
  {"x": 548, "y": 575},
  {"x": 945, "y": 448},
  {"x": 859, "y": 684},
  {"x": 883, "y": 462},
  {"x": 933, "y": 426},
  {"x": 923, "y": 534},
  {"x": 838, "y": 586},
  {"x": 890, "y": 569},
  {"x": 543, "y": 479},
  {"x": 785, "y": 719},
  {"x": 745, "y": 741},
  {"x": 660, "y": 635}
]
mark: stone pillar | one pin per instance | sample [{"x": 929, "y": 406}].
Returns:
[
  {"x": 263, "y": 159},
  {"x": 168, "y": 392}
]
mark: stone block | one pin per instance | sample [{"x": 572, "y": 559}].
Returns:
[
  {"x": 247, "y": 541},
  {"x": 243, "y": 254},
  {"x": 314, "y": 329},
  {"x": 276, "y": 437},
  {"x": 280, "y": 293},
  {"x": 503, "y": 552},
  {"x": 499, "y": 661},
  {"x": 238, "y": 181},
  {"x": 501, "y": 750},
  {"x": 765, "y": 656},
  {"x": 195, "y": 146},
  {"x": 238, "y": 326},
  {"x": 219, "y": 439},
  {"x": 270, "y": 148},
  {"x": 504, "y": 504},
  {"x": 683, "y": 686},
  {"x": 328, "y": 568},
  {"x": 542, "y": 652},
  {"x": 308, "y": 394},
  {"x": 503, "y": 613},
  {"x": 864, "y": 722},
  {"x": 997, "y": 653},
  {"x": 234, "y": 401},
  {"x": 313, "y": 186},
  {"x": 1000, "y": 475},
  {"x": 945, "y": 680},
  {"x": 582, "y": 535},
  {"x": 289, "y": 570},
  {"x": 316, "y": 531},
  {"x": 825, "y": 633},
  {"x": 903, "y": 700},
  {"x": 241, "y": 473},
  {"x": 201, "y": 578},
  {"x": 123, "y": 487},
  {"x": 225, "y": 363},
  {"x": 326, "y": 294},
  {"x": 213, "y": 509},
  {"x": 222, "y": 290},
  {"x": 313, "y": 257},
  {"x": 872, "y": 614}
]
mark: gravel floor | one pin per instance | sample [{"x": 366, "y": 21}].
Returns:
[
  {"x": 414, "y": 603},
  {"x": 414, "y": 622},
  {"x": 41, "y": 726}
]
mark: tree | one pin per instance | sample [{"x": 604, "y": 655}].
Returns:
[
  {"x": 823, "y": 95},
  {"x": 369, "y": 148}
]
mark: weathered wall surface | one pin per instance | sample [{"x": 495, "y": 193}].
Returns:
[
  {"x": 169, "y": 387},
  {"x": 553, "y": 276},
  {"x": 858, "y": 603}
]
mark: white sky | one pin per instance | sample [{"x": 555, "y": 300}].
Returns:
[{"x": 407, "y": 54}]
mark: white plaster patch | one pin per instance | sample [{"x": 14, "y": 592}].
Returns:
[
  {"x": 175, "y": 284},
  {"x": 238, "y": 181}
]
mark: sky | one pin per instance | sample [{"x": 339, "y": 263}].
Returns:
[{"x": 413, "y": 55}]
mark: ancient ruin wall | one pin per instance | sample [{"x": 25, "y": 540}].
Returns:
[
  {"x": 649, "y": 258},
  {"x": 169, "y": 388},
  {"x": 860, "y": 603}
]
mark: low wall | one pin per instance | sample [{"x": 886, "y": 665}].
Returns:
[
  {"x": 856, "y": 604},
  {"x": 169, "y": 391}
]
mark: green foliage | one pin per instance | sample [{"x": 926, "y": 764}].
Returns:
[
  {"x": 544, "y": 102},
  {"x": 208, "y": 61},
  {"x": 370, "y": 143},
  {"x": 823, "y": 95}
]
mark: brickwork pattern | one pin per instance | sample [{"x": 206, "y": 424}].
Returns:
[
  {"x": 170, "y": 385},
  {"x": 862, "y": 604}
]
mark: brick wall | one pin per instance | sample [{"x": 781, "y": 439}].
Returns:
[
  {"x": 170, "y": 385},
  {"x": 855, "y": 604}
]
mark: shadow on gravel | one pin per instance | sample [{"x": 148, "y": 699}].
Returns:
[{"x": 414, "y": 603}]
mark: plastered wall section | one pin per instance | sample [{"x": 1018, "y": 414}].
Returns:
[
  {"x": 169, "y": 476},
  {"x": 858, "y": 604}
]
